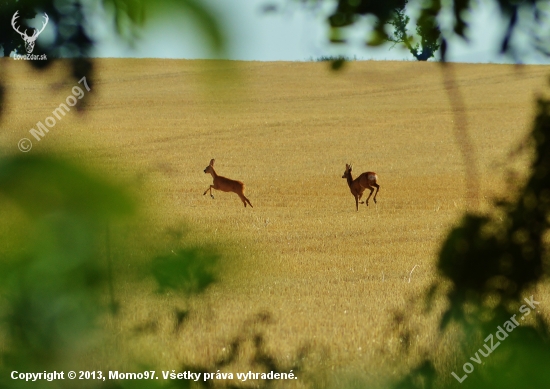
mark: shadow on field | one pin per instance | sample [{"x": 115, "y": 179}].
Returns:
[{"x": 248, "y": 348}]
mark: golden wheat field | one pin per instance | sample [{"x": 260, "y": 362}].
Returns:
[{"x": 303, "y": 268}]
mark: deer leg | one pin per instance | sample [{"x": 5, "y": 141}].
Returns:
[
  {"x": 356, "y": 203},
  {"x": 209, "y": 189},
  {"x": 361, "y": 202},
  {"x": 377, "y": 189},
  {"x": 242, "y": 199},
  {"x": 370, "y": 194}
]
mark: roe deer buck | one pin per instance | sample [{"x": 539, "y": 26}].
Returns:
[
  {"x": 358, "y": 186},
  {"x": 225, "y": 184}
]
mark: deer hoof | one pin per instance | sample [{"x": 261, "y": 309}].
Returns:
[{"x": 212, "y": 196}]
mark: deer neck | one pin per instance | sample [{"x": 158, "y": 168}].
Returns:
[
  {"x": 349, "y": 179},
  {"x": 213, "y": 172}
]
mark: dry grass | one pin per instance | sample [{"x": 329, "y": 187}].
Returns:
[{"x": 329, "y": 276}]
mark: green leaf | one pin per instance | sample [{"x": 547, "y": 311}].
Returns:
[
  {"x": 189, "y": 270},
  {"x": 40, "y": 185}
]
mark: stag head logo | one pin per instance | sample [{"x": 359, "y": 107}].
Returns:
[{"x": 29, "y": 40}]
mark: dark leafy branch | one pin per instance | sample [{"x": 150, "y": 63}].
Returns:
[
  {"x": 530, "y": 17},
  {"x": 426, "y": 29}
]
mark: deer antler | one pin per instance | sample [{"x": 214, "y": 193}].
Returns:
[
  {"x": 15, "y": 16},
  {"x": 36, "y": 33}
]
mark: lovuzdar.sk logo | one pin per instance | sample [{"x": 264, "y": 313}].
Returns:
[{"x": 29, "y": 40}]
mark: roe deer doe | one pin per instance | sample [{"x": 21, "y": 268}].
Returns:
[
  {"x": 225, "y": 184},
  {"x": 358, "y": 186}
]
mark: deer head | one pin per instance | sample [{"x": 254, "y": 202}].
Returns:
[
  {"x": 29, "y": 40},
  {"x": 347, "y": 172},
  {"x": 210, "y": 168}
]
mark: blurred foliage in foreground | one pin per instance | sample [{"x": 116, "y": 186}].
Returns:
[
  {"x": 56, "y": 279},
  {"x": 51, "y": 284},
  {"x": 491, "y": 266},
  {"x": 529, "y": 18}
]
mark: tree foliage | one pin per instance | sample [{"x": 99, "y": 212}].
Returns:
[
  {"x": 57, "y": 271},
  {"x": 530, "y": 17},
  {"x": 426, "y": 29}
]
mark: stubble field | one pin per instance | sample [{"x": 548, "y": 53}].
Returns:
[{"x": 329, "y": 278}]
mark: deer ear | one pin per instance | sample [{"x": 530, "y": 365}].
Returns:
[{"x": 212, "y": 162}]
